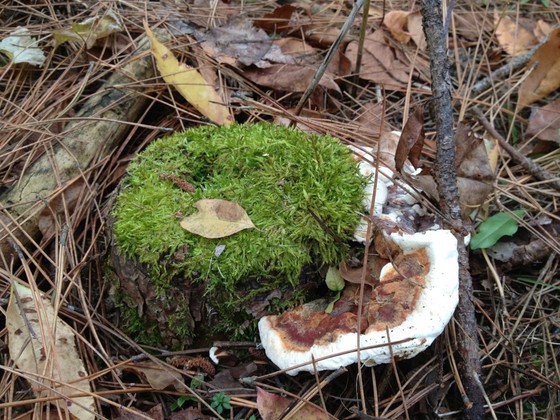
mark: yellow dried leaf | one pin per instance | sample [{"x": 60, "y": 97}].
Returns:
[
  {"x": 43, "y": 346},
  {"x": 217, "y": 219},
  {"x": 189, "y": 83}
]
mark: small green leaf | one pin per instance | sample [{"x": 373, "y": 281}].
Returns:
[
  {"x": 330, "y": 306},
  {"x": 493, "y": 228},
  {"x": 334, "y": 280}
]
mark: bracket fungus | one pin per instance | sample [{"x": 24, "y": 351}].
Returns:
[{"x": 412, "y": 299}]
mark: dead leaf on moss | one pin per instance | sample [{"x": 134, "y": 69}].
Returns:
[
  {"x": 272, "y": 406},
  {"x": 217, "y": 219},
  {"x": 189, "y": 83},
  {"x": 380, "y": 63},
  {"x": 519, "y": 35},
  {"x": 544, "y": 122},
  {"x": 397, "y": 23},
  {"x": 545, "y": 77},
  {"x": 43, "y": 345}
]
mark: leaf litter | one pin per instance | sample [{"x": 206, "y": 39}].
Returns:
[{"x": 479, "y": 46}]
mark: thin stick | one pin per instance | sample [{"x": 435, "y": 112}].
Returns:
[
  {"x": 528, "y": 164},
  {"x": 330, "y": 55},
  {"x": 446, "y": 179}
]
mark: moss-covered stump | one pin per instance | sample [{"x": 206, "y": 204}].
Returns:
[{"x": 303, "y": 193}]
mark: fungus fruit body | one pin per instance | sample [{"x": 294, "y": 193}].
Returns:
[
  {"x": 420, "y": 306},
  {"x": 409, "y": 305}
]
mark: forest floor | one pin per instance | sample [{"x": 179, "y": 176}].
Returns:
[{"x": 56, "y": 241}]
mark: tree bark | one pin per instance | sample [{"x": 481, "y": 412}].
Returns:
[{"x": 446, "y": 179}]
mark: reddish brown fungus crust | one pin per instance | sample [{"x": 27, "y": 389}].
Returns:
[
  {"x": 395, "y": 298},
  {"x": 387, "y": 305}
]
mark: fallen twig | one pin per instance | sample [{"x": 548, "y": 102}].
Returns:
[
  {"x": 527, "y": 163},
  {"x": 446, "y": 179}
]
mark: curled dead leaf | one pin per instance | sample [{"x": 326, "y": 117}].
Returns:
[
  {"x": 411, "y": 141},
  {"x": 397, "y": 22}
]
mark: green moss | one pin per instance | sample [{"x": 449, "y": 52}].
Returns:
[{"x": 303, "y": 192}]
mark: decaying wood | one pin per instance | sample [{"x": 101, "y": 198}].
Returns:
[
  {"x": 446, "y": 179},
  {"x": 97, "y": 129}
]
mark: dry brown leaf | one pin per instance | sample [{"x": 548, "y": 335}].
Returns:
[
  {"x": 272, "y": 406},
  {"x": 217, "y": 219},
  {"x": 544, "y": 122},
  {"x": 545, "y": 77},
  {"x": 519, "y": 35},
  {"x": 380, "y": 63},
  {"x": 515, "y": 36},
  {"x": 43, "y": 346},
  {"x": 371, "y": 117},
  {"x": 289, "y": 77},
  {"x": 154, "y": 413},
  {"x": 354, "y": 274},
  {"x": 237, "y": 42},
  {"x": 191, "y": 413},
  {"x": 157, "y": 376},
  {"x": 278, "y": 20},
  {"x": 475, "y": 177},
  {"x": 49, "y": 218},
  {"x": 397, "y": 23},
  {"x": 469, "y": 23},
  {"x": 411, "y": 141},
  {"x": 416, "y": 30},
  {"x": 189, "y": 83}
]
